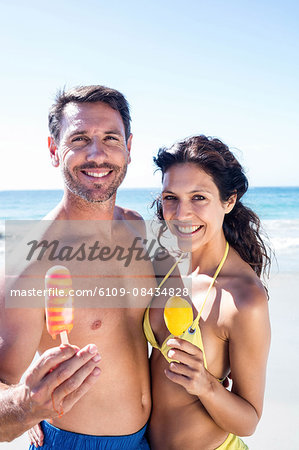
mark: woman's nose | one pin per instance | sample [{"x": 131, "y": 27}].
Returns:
[{"x": 184, "y": 211}]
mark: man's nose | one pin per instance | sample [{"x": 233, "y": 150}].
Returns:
[{"x": 96, "y": 150}]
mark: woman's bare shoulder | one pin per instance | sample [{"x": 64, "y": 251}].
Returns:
[{"x": 244, "y": 291}]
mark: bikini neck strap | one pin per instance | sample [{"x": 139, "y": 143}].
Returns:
[
  {"x": 214, "y": 277},
  {"x": 220, "y": 265}
]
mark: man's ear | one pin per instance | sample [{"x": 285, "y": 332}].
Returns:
[
  {"x": 129, "y": 144},
  {"x": 230, "y": 203},
  {"x": 53, "y": 152}
]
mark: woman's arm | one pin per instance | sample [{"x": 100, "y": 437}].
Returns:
[{"x": 238, "y": 411}]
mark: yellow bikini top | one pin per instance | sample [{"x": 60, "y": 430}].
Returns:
[{"x": 192, "y": 334}]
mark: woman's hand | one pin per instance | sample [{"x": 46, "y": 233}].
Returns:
[
  {"x": 189, "y": 371},
  {"x": 36, "y": 436}
]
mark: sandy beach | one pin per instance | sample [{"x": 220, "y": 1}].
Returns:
[{"x": 278, "y": 428}]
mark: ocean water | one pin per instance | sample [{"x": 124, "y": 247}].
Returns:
[{"x": 278, "y": 208}]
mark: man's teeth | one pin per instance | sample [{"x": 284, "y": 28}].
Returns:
[
  {"x": 188, "y": 230},
  {"x": 97, "y": 175}
]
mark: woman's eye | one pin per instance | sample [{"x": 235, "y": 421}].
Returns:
[
  {"x": 169, "y": 197},
  {"x": 198, "y": 197}
]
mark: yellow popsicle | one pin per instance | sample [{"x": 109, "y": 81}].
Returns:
[{"x": 178, "y": 315}]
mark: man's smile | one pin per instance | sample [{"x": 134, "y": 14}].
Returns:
[{"x": 96, "y": 173}]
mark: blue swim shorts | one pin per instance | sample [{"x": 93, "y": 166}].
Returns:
[{"x": 57, "y": 439}]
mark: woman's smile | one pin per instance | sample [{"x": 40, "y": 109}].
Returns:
[{"x": 187, "y": 230}]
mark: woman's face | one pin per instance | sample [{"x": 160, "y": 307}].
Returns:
[{"x": 192, "y": 206}]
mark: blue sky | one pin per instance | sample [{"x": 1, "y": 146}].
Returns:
[{"x": 227, "y": 69}]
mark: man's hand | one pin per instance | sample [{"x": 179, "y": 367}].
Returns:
[{"x": 57, "y": 380}]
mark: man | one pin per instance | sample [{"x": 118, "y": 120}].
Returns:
[{"x": 91, "y": 141}]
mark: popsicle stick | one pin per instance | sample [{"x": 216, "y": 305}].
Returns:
[{"x": 64, "y": 338}]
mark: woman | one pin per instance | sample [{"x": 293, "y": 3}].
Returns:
[{"x": 202, "y": 187}]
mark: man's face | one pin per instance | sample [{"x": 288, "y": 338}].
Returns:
[{"x": 92, "y": 150}]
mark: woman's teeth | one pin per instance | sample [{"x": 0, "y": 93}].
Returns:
[{"x": 188, "y": 230}]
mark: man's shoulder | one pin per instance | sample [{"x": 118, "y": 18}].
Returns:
[
  {"x": 126, "y": 214},
  {"x": 132, "y": 220},
  {"x": 55, "y": 213}
]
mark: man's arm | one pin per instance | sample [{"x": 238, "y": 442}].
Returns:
[
  {"x": 45, "y": 392},
  {"x": 20, "y": 327},
  {"x": 56, "y": 381}
]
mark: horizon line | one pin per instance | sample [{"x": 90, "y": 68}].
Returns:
[{"x": 139, "y": 188}]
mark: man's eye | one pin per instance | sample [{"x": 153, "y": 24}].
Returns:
[
  {"x": 79, "y": 139},
  {"x": 111, "y": 138}
]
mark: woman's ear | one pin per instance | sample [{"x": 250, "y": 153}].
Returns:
[{"x": 230, "y": 203}]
